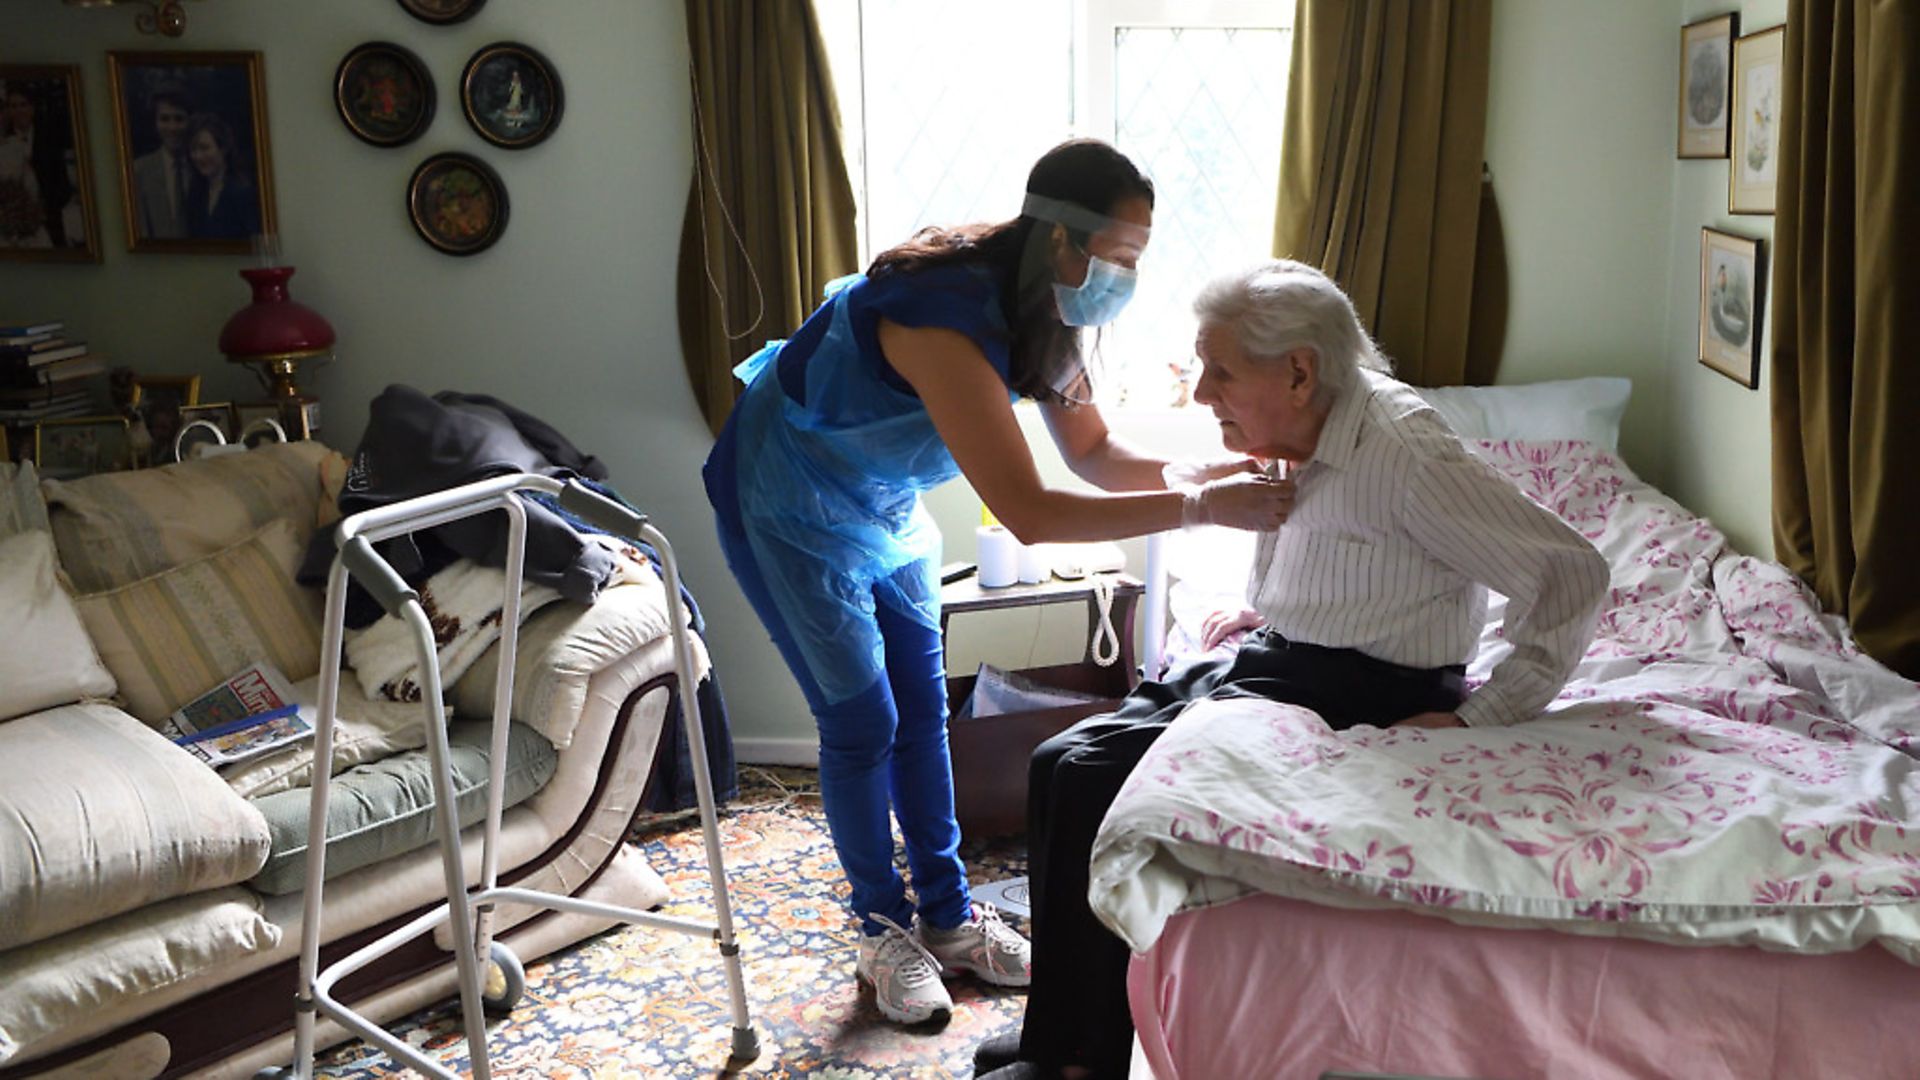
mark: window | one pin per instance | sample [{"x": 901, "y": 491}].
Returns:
[{"x": 946, "y": 106}]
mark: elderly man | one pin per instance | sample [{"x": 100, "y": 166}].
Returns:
[{"x": 1365, "y": 606}]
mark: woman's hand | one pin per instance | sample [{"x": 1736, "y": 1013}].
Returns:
[
  {"x": 1432, "y": 720},
  {"x": 1227, "y": 625},
  {"x": 1240, "y": 501}
]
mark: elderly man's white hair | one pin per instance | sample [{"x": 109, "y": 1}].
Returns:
[{"x": 1277, "y": 306}]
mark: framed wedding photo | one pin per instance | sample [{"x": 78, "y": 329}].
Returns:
[
  {"x": 1732, "y": 295},
  {"x": 1755, "y": 164},
  {"x": 196, "y": 172},
  {"x": 1706, "y": 85},
  {"x": 46, "y": 181}
]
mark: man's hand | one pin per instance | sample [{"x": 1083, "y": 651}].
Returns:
[
  {"x": 1224, "y": 624},
  {"x": 1432, "y": 720}
]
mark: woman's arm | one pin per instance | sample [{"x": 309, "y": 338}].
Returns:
[
  {"x": 1096, "y": 454},
  {"x": 968, "y": 405}
]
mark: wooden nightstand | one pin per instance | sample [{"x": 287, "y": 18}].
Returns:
[{"x": 990, "y": 753}]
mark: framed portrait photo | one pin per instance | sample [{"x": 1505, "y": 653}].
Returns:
[
  {"x": 458, "y": 203},
  {"x": 511, "y": 94},
  {"x": 1706, "y": 85},
  {"x": 1732, "y": 296},
  {"x": 1757, "y": 70},
  {"x": 46, "y": 181},
  {"x": 196, "y": 172},
  {"x": 384, "y": 94}
]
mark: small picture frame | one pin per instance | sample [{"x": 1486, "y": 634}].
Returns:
[
  {"x": 79, "y": 446},
  {"x": 1706, "y": 85},
  {"x": 511, "y": 94},
  {"x": 46, "y": 176},
  {"x": 196, "y": 172},
  {"x": 155, "y": 403},
  {"x": 384, "y": 94},
  {"x": 294, "y": 422},
  {"x": 442, "y": 12},
  {"x": 1755, "y": 165},
  {"x": 458, "y": 203},
  {"x": 1732, "y": 300},
  {"x": 217, "y": 413}
]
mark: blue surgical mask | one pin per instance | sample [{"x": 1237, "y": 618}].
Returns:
[{"x": 1097, "y": 300}]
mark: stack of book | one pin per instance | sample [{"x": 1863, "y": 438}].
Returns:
[{"x": 44, "y": 374}]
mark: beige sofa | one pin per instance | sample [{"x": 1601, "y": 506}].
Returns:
[{"x": 149, "y": 907}]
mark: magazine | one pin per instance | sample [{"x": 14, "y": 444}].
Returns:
[{"x": 250, "y": 713}]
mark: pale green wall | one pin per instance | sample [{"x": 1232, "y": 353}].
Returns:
[{"x": 570, "y": 316}]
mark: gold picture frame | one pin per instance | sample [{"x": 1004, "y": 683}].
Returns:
[
  {"x": 1733, "y": 280},
  {"x": 1753, "y": 168},
  {"x": 1706, "y": 86},
  {"x": 167, "y": 104},
  {"x": 156, "y": 401},
  {"x": 46, "y": 193},
  {"x": 77, "y": 446}
]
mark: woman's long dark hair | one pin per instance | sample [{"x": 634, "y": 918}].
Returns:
[{"x": 1045, "y": 352}]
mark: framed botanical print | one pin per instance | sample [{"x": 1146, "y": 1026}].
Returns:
[
  {"x": 1755, "y": 165},
  {"x": 1732, "y": 294},
  {"x": 1706, "y": 85},
  {"x": 46, "y": 181},
  {"x": 196, "y": 171}
]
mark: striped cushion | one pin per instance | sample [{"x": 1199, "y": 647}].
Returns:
[
  {"x": 117, "y": 528},
  {"x": 173, "y": 636}
]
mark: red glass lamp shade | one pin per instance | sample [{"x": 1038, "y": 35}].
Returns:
[{"x": 275, "y": 331}]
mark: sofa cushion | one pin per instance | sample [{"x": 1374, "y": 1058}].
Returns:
[
  {"x": 52, "y": 984},
  {"x": 117, "y": 528},
  {"x": 171, "y": 637},
  {"x": 385, "y": 808},
  {"x": 100, "y": 815},
  {"x": 21, "y": 508},
  {"x": 364, "y": 729},
  {"x": 48, "y": 659}
]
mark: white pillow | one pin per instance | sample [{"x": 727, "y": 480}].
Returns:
[
  {"x": 1588, "y": 410},
  {"x": 49, "y": 659}
]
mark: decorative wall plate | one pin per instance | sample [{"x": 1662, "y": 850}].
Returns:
[
  {"x": 511, "y": 94},
  {"x": 384, "y": 93},
  {"x": 442, "y": 12},
  {"x": 457, "y": 203}
]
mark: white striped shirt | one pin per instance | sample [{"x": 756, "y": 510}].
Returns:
[{"x": 1397, "y": 532}]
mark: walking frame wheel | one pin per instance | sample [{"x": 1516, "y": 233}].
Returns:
[{"x": 506, "y": 982}]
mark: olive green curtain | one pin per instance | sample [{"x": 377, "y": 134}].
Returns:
[
  {"x": 1381, "y": 169},
  {"x": 1846, "y": 330},
  {"x": 770, "y": 219}
]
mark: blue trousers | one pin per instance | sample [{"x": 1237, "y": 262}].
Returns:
[{"x": 884, "y": 748}]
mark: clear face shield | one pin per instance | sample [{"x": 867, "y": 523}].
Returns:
[{"x": 1113, "y": 248}]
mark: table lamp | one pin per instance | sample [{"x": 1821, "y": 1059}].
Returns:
[{"x": 274, "y": 334}]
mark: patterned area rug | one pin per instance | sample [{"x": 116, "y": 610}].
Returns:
[{"x": 634, "y": 1003}]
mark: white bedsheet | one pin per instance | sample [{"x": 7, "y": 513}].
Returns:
[{"x": 1724, "y": 767}]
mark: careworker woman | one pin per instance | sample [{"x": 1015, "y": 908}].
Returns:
[{"x": 901, "y": 380}]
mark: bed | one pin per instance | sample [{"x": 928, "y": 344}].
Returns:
[{"x": 1703, "y": 861}]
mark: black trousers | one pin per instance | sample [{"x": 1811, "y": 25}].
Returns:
[{"x": 1077, "y": 1006}]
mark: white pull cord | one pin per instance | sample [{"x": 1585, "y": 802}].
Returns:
[{"x": 1105, "y": 646}]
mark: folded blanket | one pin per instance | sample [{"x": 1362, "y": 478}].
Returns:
[{"x": 463, "y": 603}]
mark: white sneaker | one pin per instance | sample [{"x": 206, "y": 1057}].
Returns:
[
  {"x": 905, "y": 977},
  {"x": 984, "y": 946}
]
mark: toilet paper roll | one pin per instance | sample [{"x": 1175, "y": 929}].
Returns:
[
  {"x": 1033, "y": 564},
  {"x": 999, "y": 556}
]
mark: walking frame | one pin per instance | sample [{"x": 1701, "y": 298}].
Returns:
[{"x": 471, "y": 913}]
